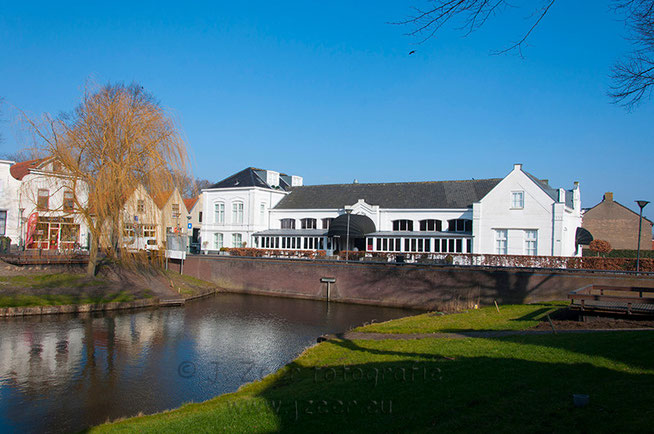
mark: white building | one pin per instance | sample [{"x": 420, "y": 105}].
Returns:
[
  {"x": 515, "y": 215},
  {"x": 239, "y": 206},
  {"x": 39, "y": 187}
]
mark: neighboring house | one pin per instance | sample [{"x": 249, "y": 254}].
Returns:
[
  {"x": 173, "y": 212},
  {"x": 194, "y": 209},
  {"x": 238, "y": 206},
  {"x": 141, "y": 221},
  {"x": 43, "y": 190},
  {"x": 10, "y": 218},
  {"x": 613, "y": 222},
  {"x": 516, "y": 215}
]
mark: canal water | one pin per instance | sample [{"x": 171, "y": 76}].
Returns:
[{"x": 66, "y": 373}]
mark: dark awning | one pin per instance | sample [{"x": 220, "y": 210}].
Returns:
[
  {"x": 360, "y": 225},
  {"x": 583, "y": 237}
]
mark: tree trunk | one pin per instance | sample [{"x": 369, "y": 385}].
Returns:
[{"x": 93, "y": 256}]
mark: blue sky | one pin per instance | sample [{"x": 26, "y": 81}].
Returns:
[{"x": 327, "y": 90}]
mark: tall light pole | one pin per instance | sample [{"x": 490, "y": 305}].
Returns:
[
  {"x": 641, "y": 204},
  {"x": 347, "y": 236}
]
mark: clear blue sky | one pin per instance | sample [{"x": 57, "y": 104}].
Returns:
[{"x": 327, "y": 90}]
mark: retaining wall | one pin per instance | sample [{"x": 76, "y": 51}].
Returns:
[{"x": 400, "y": 285}]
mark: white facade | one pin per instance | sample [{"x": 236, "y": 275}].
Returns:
[
  {"x": 517, "y": 215},
  {"x": 10, "y": 222},
  {"x": 502, "y": 224}
]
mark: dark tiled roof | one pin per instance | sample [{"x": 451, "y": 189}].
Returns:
[
  {"x": 440, "y": 194},
  {"x": 245, "y": 178},
  {"x": 552, "y": 192}
]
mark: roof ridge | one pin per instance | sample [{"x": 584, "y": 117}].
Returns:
[{"x": 400, "y": 182}]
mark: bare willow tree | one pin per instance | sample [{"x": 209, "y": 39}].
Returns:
[
  {"x": 633, "y": 77},
  {"x": 119, "y": 137}
]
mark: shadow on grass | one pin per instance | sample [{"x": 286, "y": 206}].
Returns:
[{"x": 438, "y": 385}]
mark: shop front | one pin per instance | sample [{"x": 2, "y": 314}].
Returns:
[{"x": 55, "y": 233}]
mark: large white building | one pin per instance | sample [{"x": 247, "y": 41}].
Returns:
[{"x": 515, "y": 215}]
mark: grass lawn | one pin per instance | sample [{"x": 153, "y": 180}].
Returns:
[
  {"x": 508, "y": 384},
  {"x": 510, "y": 317},
  {"x": 58, "y": 289}
]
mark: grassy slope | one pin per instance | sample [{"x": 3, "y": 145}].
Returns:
[
  {"x": 510, "y": 317},
  {"x": 518, "y": 383},
  {"x": 46, "y": 290}
]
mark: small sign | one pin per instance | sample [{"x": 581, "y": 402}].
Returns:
[
  {"x": 136, "y": 218},
  {"x": 190, "y": 225}
]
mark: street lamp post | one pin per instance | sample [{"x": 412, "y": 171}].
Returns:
[
  {"x": 641, "y": 204},
  {"x": 347, "y": 236}
]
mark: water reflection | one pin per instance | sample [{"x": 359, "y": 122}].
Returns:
[{"x": 61, "y": 374}]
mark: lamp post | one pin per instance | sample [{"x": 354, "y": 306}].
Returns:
[
  {"x": 641, "y": 204},
  {"x": 347, "y": 236}
]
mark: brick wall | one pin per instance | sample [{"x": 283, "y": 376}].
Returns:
[
  {"x": 401, "y": 285},
  {"x": 612, "y": 222}
]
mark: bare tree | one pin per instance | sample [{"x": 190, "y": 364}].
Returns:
[
  {"x": 118, "y": 137},
  {"x": 633, "y": 77}
]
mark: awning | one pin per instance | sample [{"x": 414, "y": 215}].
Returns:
[
  {"x": 360, "y": 226},
  {"x": 582, "y": 236}
]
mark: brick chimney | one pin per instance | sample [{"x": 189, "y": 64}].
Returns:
[{"x": 608, "y": 196}]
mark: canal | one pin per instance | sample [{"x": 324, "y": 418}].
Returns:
[{"x": 66, "y": 373}]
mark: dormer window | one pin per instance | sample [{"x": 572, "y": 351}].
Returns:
[
  {"x": 517, "y": 199},
  {"x": 288, "y": 223},
  {"x": 403, "y": 225},
  {"x": 308, "y": 223}
]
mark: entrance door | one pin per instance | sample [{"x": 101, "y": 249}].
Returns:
[{"x": 53, "y": 238}]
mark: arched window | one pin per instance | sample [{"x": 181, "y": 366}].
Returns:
[
  {"x": 431, "y": 225},
  {"x": 219, "y": 213},
  {"x": 237, "y": 213},
  {"x": 403, "y": 225},
  {"x": 459, "y": 225},
  {"x": 308, "y": 223},
  {"x": 288, "y": 223},
  {"x": 326, "y": 223}
]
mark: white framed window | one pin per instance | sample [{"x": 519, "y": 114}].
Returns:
[
  {"x": 217, "y": 241},
  {"x": 531, "y": 242},
  {"x": 262, "y": 212},
  {"x": 517, "y": 199},
  {"x": 237, "y": 213},
  {"x": 237, "y": 240},
  {"x": 175, "y": 209},
  {"x": 501, "y": 241},
  {"x": 3, "y": 222},
  {"x": 219, "y": 213},
  {"x": 140, "y": 206}
]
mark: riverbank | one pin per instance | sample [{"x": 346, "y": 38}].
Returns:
[
  {"x": 505, "y": 383},
  {"x": 55, "y": 289}
]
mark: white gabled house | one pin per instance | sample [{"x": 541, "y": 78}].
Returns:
[{"x": 515, "y": 215}]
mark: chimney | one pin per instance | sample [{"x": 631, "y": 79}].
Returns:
[
  {"x": 545, "y": 181},
  {"x": 517, "y": 166},
  {"x": 608, "y": 196},
  {"x": 561, "y": 195}
]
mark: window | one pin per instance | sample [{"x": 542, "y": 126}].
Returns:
[
  {"x": 3, "y": 222},
  {"x": 219, "y": 213},
  {"x": 43, "y": 200},
  {"x": 431, "y": 225},
  {"x": 262, "y": 212},
  {"x": 237, "y": 240},
  {"x": 200, "y": 217},
  {"x": 217, "y": 241},
  {"x": 403, "y": 225},
  {"x": 517, "y": 199},
  {"x": 459, "y": 225},
  {"x": 175, "y": 208},
  {"x": 501, "y": 241},
  {"x": 69, "y": 201},
  {"x": 326, "y": 223},
  {"x": 288, "y": 223},
  {"x": 531, "y": 242},
  {"x": 140, "y": 206},
  {"x": 149, "y": 231},
  {"x": 308, "y": 223},
  {"x": 237, "y": 213}
]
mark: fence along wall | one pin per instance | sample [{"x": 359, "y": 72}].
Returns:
[{"x": 400, "y": 285}]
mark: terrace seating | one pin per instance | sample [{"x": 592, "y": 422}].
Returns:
[{"x": 618, "y": 300}]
